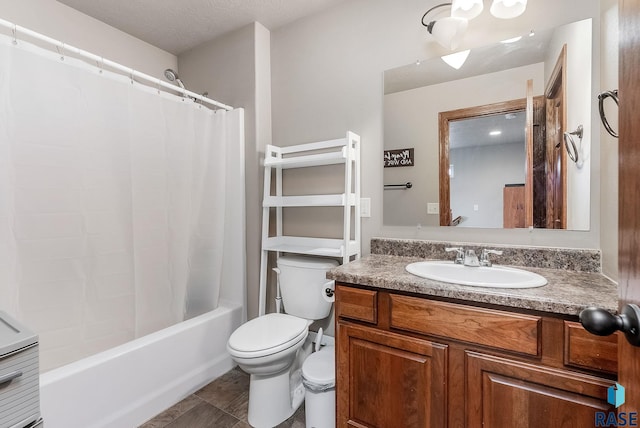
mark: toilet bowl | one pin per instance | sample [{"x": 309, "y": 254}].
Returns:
[
  {"x": 268, "y": 347},
  {"x": 268, "y": 344}
]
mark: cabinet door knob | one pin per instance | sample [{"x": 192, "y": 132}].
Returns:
[{"x": 602, "y": 323}]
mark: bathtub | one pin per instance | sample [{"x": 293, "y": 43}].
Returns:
[{"x": 126, "y": 385}]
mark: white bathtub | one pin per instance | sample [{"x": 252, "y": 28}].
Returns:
[{"x": 125, "y": 386}]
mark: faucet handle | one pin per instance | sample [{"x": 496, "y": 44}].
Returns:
[
  {"x": 484, "y": 258},
  {"x": 459, "y": 253}
]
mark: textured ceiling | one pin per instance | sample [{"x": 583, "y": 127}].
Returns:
[{"x": 179, "y": 25}]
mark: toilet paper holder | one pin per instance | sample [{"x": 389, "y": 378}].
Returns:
[{"x": 329, "y": 289}]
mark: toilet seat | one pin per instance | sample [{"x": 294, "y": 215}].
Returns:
[{"x": 267, "y": 335}]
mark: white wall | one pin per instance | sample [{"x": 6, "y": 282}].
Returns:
[
  {"x": 235, "y": 69},
  {"x": 609, "y": 145},
  {"x": 479, "y": 182},
  {"x": 77, "y": 29},
  {"x": 579, "y": 106},
  {"x": 327, "y": 78},
  {"x": 411, "y": 120}
]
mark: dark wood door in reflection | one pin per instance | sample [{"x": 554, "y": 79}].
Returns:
[{"x": 556, "y": 153}]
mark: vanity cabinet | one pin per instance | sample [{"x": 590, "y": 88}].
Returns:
[
  {"x": 394, "y": 381},
  {"x": 411, "y": 361}
]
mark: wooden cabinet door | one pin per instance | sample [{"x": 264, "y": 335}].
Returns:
[
  {"x": 388, "y": 380},
  {"x": 505, "y": 393}
]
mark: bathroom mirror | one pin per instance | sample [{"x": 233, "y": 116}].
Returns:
[{"x": 484, "y": 171}]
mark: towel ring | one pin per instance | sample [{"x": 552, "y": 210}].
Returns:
[
  {"x": 568, "y": 140},
  {"x": 601, "y": 97}
]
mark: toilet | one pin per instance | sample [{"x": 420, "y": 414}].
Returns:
[{"x": 266, "y": 347}]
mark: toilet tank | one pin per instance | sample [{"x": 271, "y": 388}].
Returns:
[{"x": 302, "y": 284}]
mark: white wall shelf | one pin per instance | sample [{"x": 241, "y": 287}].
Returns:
[
  {"x": 340, "y": 151},
  {"x": 312, "y": 246},
  {"x": 338, "y": 200}
]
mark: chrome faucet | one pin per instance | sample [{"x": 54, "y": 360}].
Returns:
[
  {"x": 484, "y": 258},
  {"x": 471, "y": 259},
  {"x": 459, "y": 254}
]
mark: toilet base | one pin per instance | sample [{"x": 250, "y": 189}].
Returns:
[{"x": 273, "y": 399}]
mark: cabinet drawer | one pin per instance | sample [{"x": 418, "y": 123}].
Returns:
[
  {"x": 584, "y": 350},
  {"x": 19, "y": 393},
  {"x": 357, "y": 304},
  {"x": 496, "y": 329}
]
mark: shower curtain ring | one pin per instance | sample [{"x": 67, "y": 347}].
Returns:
[
  {"x": 100, "y": 64},
  {"x": 131, "y": 75},
  {"x": 60, "y": 50},
  {"x": 14, "y": 31},
  {"x": 158, "y": 86}
]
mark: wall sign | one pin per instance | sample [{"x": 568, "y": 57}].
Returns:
[{"x": 398, "y": 157}]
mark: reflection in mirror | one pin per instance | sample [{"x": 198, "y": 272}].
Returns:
[
  {"x": 415, "y": 96},
  {"x": 476, "y": 145}
]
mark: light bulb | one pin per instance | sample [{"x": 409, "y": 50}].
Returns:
[
  {"x": 467, "y": 9},
  {"x": 507, "y": 9}
]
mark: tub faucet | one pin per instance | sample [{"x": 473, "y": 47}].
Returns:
[
  {"x": 471, "y": 259},
  {"x": 459, "y": 254}
]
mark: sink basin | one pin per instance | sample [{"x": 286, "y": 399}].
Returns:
[{"x": 494, "y": 276}]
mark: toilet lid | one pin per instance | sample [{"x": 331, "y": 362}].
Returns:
[
  {"x": 268, "y": 334},
  {"x": 320, "y": 367}
]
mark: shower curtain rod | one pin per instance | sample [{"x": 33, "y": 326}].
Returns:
[{"x": 101, "y": 61}]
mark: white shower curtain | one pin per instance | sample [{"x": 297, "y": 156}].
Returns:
[{"x": 112, "y": 203}]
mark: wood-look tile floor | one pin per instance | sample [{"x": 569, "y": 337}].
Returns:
[{"x": 221, "y": 404}]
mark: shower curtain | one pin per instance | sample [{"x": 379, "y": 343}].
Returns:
[{"x": 112, "y": 202}]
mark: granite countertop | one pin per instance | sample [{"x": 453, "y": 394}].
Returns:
[{"x": 567, "y": 292}]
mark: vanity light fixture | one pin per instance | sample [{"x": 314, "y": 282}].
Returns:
[
  {"x": 494, "y": 133},
  {"x": 456, "y": 60},
  {"x": 449, "y": 31}
]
